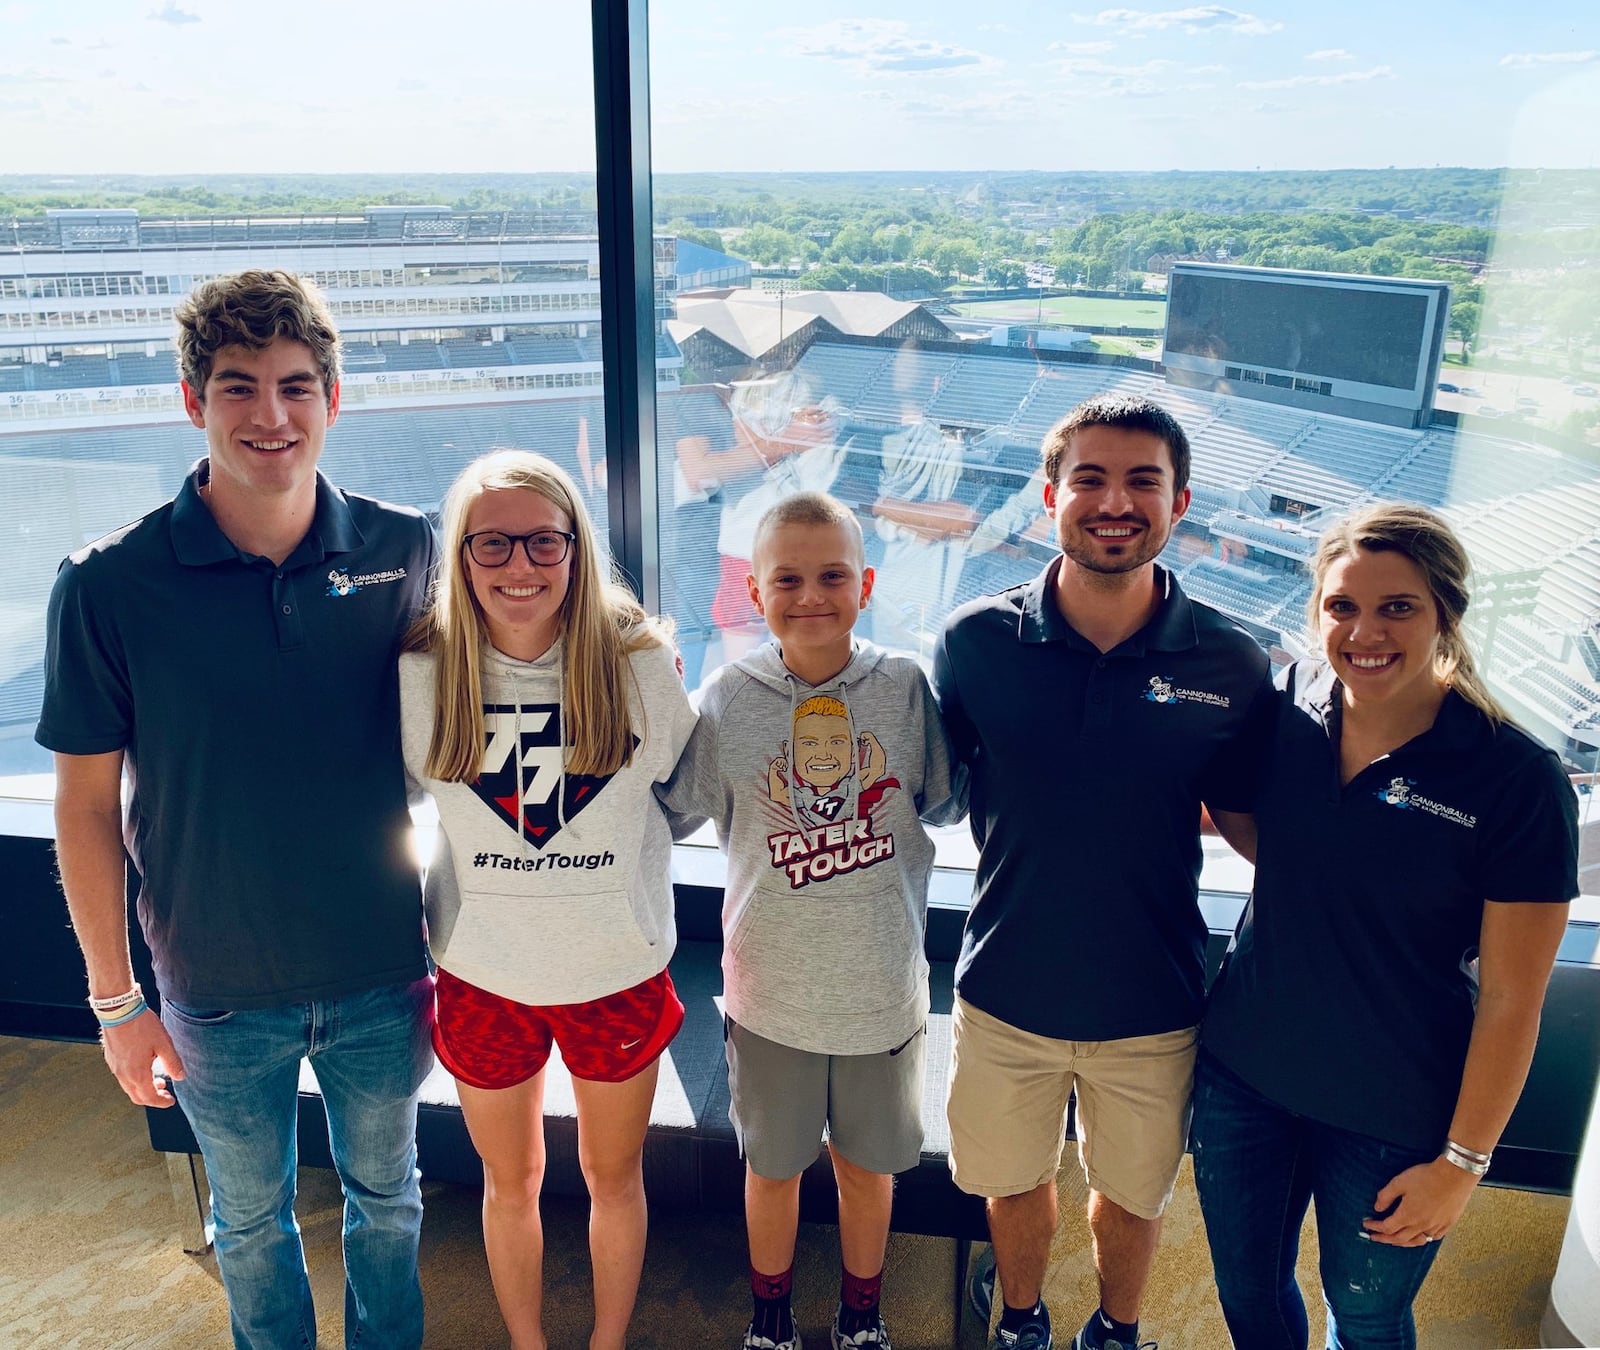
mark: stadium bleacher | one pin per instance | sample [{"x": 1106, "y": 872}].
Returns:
[
  {"x": 1501, "y": 493},
  {"x": 981, "y": 394},
  {"x": 901, "y": 390}
]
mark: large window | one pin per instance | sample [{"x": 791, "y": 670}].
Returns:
[
  {"x": 890, "y": 252},
  {"x": 443, "y": 199},
  {"x": 1349, "y": 322}
]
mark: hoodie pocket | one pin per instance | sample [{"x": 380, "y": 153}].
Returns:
[{"x": 843, "y": 952}]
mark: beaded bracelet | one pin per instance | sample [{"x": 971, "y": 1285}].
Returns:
[
  {"x": 139, "y": 1008},
  {"x": 116, "y": 1001}
]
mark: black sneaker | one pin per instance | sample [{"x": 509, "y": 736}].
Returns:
[
  {"x": 875, "y": 1337},
  {"x": 1080, "y": 1342},
  {"x": 1032, "y": 1336},
  {"x": 980, "y": 1288}
]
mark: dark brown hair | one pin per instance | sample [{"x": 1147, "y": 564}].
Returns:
[{"x": 251, "y": 309}]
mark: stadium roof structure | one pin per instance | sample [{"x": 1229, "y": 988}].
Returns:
[
  {"x": 693, "y": 258},
  {"x": 756, "y": 322}
]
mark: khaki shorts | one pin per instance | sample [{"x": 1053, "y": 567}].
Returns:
[{"x": 1008, "y": 1109}]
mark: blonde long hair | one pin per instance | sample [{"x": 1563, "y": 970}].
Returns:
[
  {"x": 1426, "y": 539},
  {"x": 600, "y": 621}
]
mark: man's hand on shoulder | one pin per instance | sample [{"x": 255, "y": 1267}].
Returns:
[{"x": 139, "y": 1053}]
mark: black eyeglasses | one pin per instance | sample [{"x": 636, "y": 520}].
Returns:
[{"x": 493, "y": 548}]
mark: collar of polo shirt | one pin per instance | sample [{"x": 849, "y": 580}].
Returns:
[
  {"x": 1171, "y": 628},
  {"x": 198, "y": 541}
]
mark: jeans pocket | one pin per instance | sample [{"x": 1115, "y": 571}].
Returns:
[{"x": 197, "y": 1017}]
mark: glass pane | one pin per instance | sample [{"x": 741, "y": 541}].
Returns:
[
  {"x": 1222, "y": 220},
  {"x": 468, "y": 299}
]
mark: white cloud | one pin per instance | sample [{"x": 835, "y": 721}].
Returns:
[
  {"x": 883, "y": 47},
  {"x": 1081, "y": 48},
  {"x": 1548, "y": 58},
  {"x": 1331, "y": 54},
  {"x": 1132, "y": 89},
  {"x": 23, "y": 76},
  {"x": 1088, "y": 66},
  {"x": 170, "y": 13},
  {"x": 1001, "y": 106},
  {"x": 1196, "y": 19},
  {"x": 1301, "y": 81}
]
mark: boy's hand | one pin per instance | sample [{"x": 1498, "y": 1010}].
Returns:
[{"x": 873, "y": 759}]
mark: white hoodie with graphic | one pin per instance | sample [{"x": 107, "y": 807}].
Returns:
[
  {"x": 549, "y": 887},
  {"x": 816, "y": 793}
]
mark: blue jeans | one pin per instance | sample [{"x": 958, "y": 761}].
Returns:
[
  {"x": 370, "y": 1052},
  {"x": 1257, "y": 1167}
]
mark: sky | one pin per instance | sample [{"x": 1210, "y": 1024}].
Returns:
[{"x": 219, "y": 86}]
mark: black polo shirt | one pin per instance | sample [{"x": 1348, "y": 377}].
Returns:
[
  {"x": 1088, "y": 771},
  {"x": 1347, "y": 996},
  {"x": 258, "y": 707}
]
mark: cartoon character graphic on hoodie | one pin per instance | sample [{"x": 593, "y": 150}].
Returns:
[{"x": 827, "y": 766}]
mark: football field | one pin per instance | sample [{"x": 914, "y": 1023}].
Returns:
[{"x": 1072, "y": 310}]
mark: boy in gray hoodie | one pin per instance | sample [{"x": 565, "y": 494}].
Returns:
[{"x": 817, "y": 758}]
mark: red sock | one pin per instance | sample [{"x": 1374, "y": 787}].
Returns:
[
  {"x": 769, "y": 1287},
  {"x": 858, "y": 1293}
]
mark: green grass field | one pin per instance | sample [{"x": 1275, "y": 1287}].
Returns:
[{"x": 1073, "y": 309}]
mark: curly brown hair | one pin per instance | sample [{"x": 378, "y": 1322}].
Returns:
[{"x": 251, "y": 309}]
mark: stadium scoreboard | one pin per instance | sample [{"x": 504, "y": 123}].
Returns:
[{"x": 1366, "y": 347}]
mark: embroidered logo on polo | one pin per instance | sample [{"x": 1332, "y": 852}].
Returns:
[
  {"x": 539, "y": 750},
  {"x": 342, "y": 583},
  {"x": 1163, "y": 690},
  {"x": 1401, "y": 793}
]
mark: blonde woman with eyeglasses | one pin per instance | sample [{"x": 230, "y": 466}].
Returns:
[{"x": 539, "y": 706}]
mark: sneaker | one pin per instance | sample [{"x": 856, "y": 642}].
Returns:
[
  {"x": 876, "y": 1335},
  {"x": 980, "y": 1289},
  {"x": 1111, "y": 1343},
  {"x": 754, "y": 1342},
  {"x": 1033, "y": 1336}
]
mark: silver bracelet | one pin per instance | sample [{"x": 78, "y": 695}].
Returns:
[
  {"x": 117, "y": 1000},
  {"x": 1467, "y": 1159}
]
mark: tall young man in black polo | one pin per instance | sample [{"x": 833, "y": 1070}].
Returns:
[
  {"x": 1097, "y": 707},
  {"x": 235, "y": 651}
]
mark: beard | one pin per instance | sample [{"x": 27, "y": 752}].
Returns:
[{"x": 1096, "y": 555}]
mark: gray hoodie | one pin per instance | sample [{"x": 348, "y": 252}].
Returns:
[
  {"x": 569, "y": 897},
  {"x": 815, "y": 793}
]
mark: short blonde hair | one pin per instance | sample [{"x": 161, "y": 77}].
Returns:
[
  {"x": 821, "y": 705},
  {"x": 809, "y": 508}
]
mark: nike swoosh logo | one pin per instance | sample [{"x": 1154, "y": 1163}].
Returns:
[{"x": 630, "y": 1044}]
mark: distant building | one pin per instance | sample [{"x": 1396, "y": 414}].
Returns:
[
  {"x": 699, "y": 268},
  {"x": 723, "y": 335}
]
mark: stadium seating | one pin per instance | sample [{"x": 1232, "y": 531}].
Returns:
[
  {"x": 901, "y": 389},
  {"x": 841, "y": 372},
  {"x": 1501, "y": 493},
  {"x": 981, "y": 393}
]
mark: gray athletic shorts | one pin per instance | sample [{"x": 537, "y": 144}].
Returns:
[{"x": 785, "y": 1100}]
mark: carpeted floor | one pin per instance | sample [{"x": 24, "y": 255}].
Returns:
[{"x": 89, "y": 1257}]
